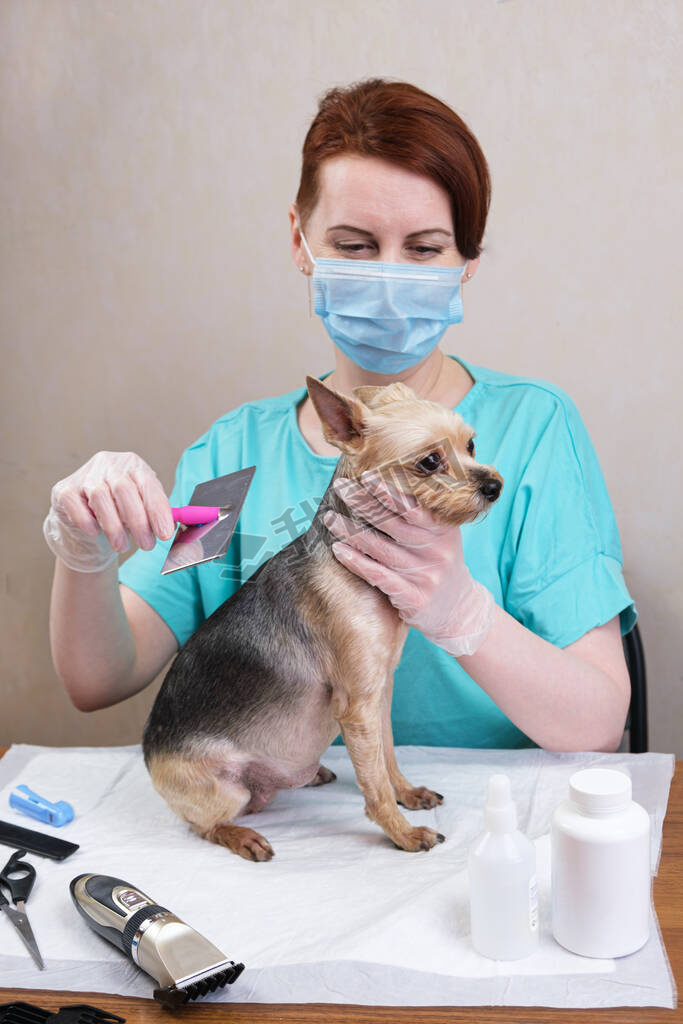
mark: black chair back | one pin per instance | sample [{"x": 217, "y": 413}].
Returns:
[{"x": 636, "y": 722}]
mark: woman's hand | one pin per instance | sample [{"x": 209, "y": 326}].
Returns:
[
  {"x": 419, "y": 566},
  {"x": 93, "y": 511}
]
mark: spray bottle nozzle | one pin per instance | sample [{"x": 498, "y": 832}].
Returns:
[{"x": 500, "y": 811}]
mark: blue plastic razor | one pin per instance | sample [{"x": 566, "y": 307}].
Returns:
[{"x": 38, "y": 807}]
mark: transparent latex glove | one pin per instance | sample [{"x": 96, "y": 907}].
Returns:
[
  {"x": 93, "y": 511},
  {"x": 419, "y": 566}
]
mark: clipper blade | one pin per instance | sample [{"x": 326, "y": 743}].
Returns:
[{"x": 198, "y": 985}]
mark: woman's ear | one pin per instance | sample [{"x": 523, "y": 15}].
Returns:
[
  {"x": 297, "y": 247},
  {"x": 343, "y": 419},
  {"x": 470, "y": 270}
]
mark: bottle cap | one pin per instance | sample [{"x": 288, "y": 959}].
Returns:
[
  {"x": 600, "y": 790},
  {"x": 500, "y": 812}
]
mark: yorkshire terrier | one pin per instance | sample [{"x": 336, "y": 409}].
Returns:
[{"x": 308, "y": 649}]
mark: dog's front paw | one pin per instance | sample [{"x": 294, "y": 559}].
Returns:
[
  {"x": 418, "y": 797},
  {"x": 419, "y": 839}
]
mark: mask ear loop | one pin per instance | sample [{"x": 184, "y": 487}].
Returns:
[
  {"x": 463, "y": 278},
  {"x": 311, "y": 258}
]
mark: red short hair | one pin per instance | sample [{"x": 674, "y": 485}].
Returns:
[{"x": 406, "y": 126}]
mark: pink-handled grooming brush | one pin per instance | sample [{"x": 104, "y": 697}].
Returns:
[{"x": 206, "y": 525}]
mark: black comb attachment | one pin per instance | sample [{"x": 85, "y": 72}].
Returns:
[
  {"x": 81, "y": 1013},
  {"x": 23, "y": 1013},
  {"x": 172, "y": 996},
  {"x": 76, "y": 1013}
]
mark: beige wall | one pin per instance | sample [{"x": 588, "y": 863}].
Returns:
[{"x": 148, "y": 153}]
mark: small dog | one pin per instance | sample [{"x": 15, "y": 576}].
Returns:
[{"x": 307, "y": 649}]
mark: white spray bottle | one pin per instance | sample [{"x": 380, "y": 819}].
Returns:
[{"x": 502, "y": 876}]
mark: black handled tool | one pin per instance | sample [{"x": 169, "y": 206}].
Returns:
[
  {"x": 18, "y": 876},
  {"x": 185, "y": 964}
]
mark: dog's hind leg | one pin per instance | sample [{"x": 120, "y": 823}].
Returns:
[
  {"x": 208, "y": 801},
  {"x": 407, "y": 795},
  {"x": 322, "y": 776}
]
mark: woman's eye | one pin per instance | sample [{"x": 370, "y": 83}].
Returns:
[
  {"x": 354, "y": 248},
  {"x": 470, "y": 447},
  {"x": 430, "y": 463},
  {"x": 427, "y": 250}
]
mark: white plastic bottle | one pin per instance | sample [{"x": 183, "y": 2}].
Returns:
[
  {"x": 600, "y": 867},
  {"x": 502, "y": 876}
]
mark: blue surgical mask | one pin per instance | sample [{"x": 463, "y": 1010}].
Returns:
[{"x": 386, "y": 317}]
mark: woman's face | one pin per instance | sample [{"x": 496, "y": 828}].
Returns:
[{"x": 371, "y": 209}]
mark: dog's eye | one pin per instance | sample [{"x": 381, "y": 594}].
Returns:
[
  {"x": 470, "y": 447},
  {"x": 430, "y": 463}
]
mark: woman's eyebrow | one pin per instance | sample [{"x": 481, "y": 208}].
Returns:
[
  {"x": 350, "y": 227},
  {"x": 413, "y": 234},
  {"x": 431, "y": 231}
]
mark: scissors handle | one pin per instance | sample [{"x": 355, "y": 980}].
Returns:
[{"x": 25, "y": 875}]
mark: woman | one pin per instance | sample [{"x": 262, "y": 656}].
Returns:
[{"x": 390, "y": 175}]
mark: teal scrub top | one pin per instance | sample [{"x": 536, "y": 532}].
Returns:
[{"x": 548, "y": 551}]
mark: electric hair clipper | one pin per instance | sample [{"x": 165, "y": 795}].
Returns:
[{"x": 185, "y": 964}]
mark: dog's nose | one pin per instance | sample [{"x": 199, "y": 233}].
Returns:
[{"x": 491, "y": 489}]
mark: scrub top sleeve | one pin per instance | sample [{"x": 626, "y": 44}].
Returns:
[
  {"x": 175, "y": 597},
  {"x": 562, "y": 545}
]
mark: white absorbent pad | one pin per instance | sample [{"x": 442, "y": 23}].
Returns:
[{"x": 340, "y": 914}]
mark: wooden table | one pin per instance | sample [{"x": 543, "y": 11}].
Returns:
[{"x": 668, "y": 894}]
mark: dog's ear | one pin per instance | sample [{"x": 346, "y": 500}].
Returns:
[
  {"x": 375, "y": 396},
  {"x": 342, "y": 418}
]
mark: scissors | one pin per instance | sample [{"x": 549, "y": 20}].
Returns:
[{"x": 18, "y": 876}]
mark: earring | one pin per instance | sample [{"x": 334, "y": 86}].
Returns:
[{"x": 302, "y": 269}]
